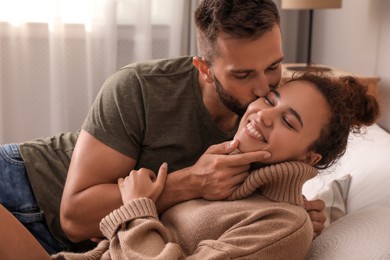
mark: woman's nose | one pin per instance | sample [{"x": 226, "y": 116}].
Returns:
[{"x": 265, "y": 117}]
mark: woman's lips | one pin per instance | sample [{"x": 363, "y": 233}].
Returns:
[{"x": 255, "y": 133}]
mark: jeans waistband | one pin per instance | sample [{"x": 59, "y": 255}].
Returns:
[
  {"x": 11, "y": 153},
  {"x": 11, "y": 149}
]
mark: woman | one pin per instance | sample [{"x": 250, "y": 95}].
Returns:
[{"x": 305, "y": 125}]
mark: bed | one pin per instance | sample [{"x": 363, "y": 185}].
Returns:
[{"x": 357, "y": 195}]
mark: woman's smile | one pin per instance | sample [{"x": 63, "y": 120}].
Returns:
[{"x": 254, "y": 132}]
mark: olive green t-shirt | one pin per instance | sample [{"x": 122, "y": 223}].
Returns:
[{"x": 151, "y": 111}]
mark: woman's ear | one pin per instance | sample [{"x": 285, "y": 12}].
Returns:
[
  {"x": 203, "y": 68},
  {"x": 312, "y": 158}
]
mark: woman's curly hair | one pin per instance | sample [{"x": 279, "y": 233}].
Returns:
[{"x": 352, "y": 107}]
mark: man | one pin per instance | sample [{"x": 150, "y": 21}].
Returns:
[{"x": 169, "y": 110}]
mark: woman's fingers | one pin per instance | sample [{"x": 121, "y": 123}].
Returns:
[{"x": 162, "y": 173}]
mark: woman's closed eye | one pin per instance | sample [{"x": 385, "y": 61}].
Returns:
[
  {"x": 287, "y": 122},
  {"x": 270, "y": 100},
  {"x": 288, "y": 118}
]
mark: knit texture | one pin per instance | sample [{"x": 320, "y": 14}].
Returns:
[
  {"x": 279, "y": 182},
  {"x": 138, "y": 208},
  {"x": 263, "y": 219}
]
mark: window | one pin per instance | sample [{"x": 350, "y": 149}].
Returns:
[{"x": 81, "y": 11}]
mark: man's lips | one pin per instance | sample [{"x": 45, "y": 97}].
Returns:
[{"x": 254, "y": 132}]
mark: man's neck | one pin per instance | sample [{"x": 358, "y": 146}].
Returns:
[{"x": 224, "y": 118}]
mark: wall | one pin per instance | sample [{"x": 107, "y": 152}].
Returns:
[{"x": 357, "y": 38}]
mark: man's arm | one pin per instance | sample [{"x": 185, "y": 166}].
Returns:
[{"x": 91, "y": 184}]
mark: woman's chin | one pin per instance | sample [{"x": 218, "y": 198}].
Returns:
[{"x": 248, "y": 148}]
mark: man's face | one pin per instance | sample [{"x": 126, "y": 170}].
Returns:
[{"x": 246, "y": 69}]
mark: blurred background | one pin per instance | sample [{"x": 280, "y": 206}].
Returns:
[{"x": 56, "y": 54}]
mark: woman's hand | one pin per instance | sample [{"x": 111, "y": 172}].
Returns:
[{"x": 143, "y": 183}]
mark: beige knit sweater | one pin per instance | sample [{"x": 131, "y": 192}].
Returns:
[{"x": 263, "y": 219}]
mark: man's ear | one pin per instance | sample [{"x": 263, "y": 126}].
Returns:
[
  {"x": 312, "y": 158},
  {"x": 203, "y": 69}
]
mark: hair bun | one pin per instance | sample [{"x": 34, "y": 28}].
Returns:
[{"x": 363, "y": 107}]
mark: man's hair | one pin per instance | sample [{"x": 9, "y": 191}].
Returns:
[{"x": 248, "y": 19}]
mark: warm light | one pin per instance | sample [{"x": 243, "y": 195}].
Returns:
[
  {"x": 17, "y": 12},
  {"x": 52, "y": 12},
  {"x": 310, "y": 4}
]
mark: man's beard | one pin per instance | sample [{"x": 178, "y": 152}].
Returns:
[{"x": 229, "y": 101}]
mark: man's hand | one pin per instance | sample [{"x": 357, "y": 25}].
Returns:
[
  {"x": 218, "y": 173},
  {"x": 214, "y": 176},
  {"x": 316, "y": 211}
]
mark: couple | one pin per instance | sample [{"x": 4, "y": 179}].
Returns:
[
  {"x": 149, "y": 113},
  {"x": 305, "y": 124}
]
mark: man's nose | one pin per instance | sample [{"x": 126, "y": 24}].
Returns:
[{"x": 262, "y": 87}]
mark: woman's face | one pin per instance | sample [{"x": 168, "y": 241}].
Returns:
[{"x": 285, "y": 123}]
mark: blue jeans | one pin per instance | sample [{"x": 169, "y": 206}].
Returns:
[{"x": 17, "y": 197}]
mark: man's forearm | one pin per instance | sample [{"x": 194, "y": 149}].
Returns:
[
  {"x": 81, "y": 216},
  {"x": 180, "y": 186}
]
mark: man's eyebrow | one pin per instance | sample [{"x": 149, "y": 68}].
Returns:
[
  {"x": 291, "y": 110},
  {"x": 276, "y": 62}
]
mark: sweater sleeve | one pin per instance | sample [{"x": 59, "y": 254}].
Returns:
[
  {"x": 135, "y": 232},
  {"x": 275, "y": 235}
]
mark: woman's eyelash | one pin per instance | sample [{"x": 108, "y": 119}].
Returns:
[
  {"x": 287, "y": 122},
  {"x": 268, "y": 101}
]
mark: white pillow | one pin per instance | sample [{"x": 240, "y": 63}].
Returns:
[
  {"x": 362, "y": 234},
  {"x": 367, "y": 160},
  {"x": 335, "y": 197}
]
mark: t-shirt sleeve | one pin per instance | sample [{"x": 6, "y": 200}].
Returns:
[{"x": 117, "y": 116}]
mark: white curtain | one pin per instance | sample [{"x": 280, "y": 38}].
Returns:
[{"x": 56, "y": 54}]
